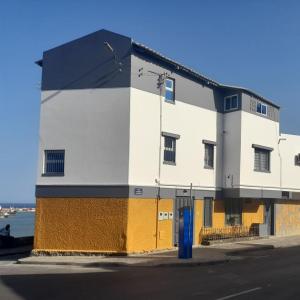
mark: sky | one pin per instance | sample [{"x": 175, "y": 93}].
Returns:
[{"x": 254, "y": 44}]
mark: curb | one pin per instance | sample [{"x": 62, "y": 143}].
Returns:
[
  {"x": 128, "y": 265},
  {"x": 231, "y": 256}
]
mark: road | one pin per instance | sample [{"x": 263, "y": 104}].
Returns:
[{"x": 269, "y": 274}]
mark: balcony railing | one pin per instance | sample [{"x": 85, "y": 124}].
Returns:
[{"x": 229, "y": 232}]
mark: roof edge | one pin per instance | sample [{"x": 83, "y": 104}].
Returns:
[
  {"x": 198, "y": 75},
  {"x": 253, "y": 93}
]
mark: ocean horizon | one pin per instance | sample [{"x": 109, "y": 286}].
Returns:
[
  {"x": 18, "y": 204},
  {"x": 22, "y": 223}
]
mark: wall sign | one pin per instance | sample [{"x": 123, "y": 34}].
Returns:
[{"x": 138, "y": 191}]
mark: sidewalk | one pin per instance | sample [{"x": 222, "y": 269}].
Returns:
[{"x": 202, "y": 255}]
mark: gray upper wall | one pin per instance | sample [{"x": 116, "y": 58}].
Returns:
[
  {"x": 186, "y": 89},
  {"x": 248, "y": 103},
  {"x": 87, "y": 63}
]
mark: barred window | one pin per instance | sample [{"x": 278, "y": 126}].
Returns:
[
  {"x": 54, "y": 164},
  {"x": 209, "y": 156},
  {"x": 170, "y": 150},
  {"x": 262, "y": 160}
]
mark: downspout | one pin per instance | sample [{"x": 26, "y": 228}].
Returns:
[{"x": 161, "y": 80}]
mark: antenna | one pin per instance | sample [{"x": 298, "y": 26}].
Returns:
[
  {"x": 116, "y": 58},
  {"x": 108, "y": 45}
]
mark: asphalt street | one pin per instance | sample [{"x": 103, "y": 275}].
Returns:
[{"x": 268, "y": 274}]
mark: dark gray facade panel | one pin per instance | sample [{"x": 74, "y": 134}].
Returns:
[
  {"x": 87, "y": 63},
  {"x": 52, "y": 191},
  {"x": 187, "y": 89},
  {"x": 251, "y": 193},
  {"x": 123, "y": 191}
]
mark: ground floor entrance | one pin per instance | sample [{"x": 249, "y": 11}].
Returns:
[{"x": 179, "y": 202}]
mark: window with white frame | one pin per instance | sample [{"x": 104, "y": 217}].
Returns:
[
  {"x": 170, "y": 150},
  {"x": 208, "y": 156},
  {"x": 170, "y": 90},
  {"x": 261, "y": 160},
  {"x": 231, "y": 102},
  {"x": 54, "y": 163},
  {"x": 261, "y": 108}
]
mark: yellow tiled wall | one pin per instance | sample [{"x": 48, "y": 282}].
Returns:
[
  {"x": 77, "y": 224},
  {"x": 287, "y": 217},
  {"x": 253, "y": 212},
  {"x": 143, "y": 222},
  {"x": 102, "y": 224}
]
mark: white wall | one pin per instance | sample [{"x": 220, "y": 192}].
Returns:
[
  {"x": 264, "y": 132},
  {"x": 192, "y": 123},
  {"x": 289, "y": 147},
  {"x": 92, "y": 125}
]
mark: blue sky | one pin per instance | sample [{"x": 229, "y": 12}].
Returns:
[{"x": 255, "y": 44}]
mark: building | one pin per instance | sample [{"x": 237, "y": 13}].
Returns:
[{"x": 127, "y": 136}]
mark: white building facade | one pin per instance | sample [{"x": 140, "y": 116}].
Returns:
[{"x": 128, "y": 136}]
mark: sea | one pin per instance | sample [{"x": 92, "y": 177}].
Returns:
[{"x": 22, "y": 223}]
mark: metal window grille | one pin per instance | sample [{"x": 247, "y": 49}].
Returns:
[
  {"x": 170, "y": 149},
  {"x": 233, "y": 212},
  {"x": 262, "y": 160},
  {"x": 209, "y": 156},
  {"x": 54, "y": 162},
  {"x": 207, "y": 222}
]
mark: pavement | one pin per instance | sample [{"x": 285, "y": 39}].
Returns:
[
  {"x": 260, "y": 275},
  {"x": 202, "y": 255}
]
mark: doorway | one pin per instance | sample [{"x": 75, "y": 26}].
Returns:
[
  {"x": 180, "y": 201},
  {"x": 269, "y": 216}
]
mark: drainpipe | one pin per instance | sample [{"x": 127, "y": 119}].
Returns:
[
  {"x": 280, "y": 162},
  {"x": 161, "y": 80}
]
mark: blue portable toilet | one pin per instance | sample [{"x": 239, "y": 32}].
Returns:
[{"x": 185, "y": 232}]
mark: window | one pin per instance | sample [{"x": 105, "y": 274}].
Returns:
[
  {"x": 261, "y": 160},
  {"x": 208, "y": 205},
  {"x": 170, "y": 150},
  {"x": 233, "y": 212},
  {"x": 54, "y": 163},
  {"x": 209, "y": 156},
  {"x": 170, "y": 90},
  {"x": 231, "y": 102},
  {"x": 261, "y": 108}
]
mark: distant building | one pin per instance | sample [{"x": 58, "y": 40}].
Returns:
[{"x": 128, "y": 136}]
